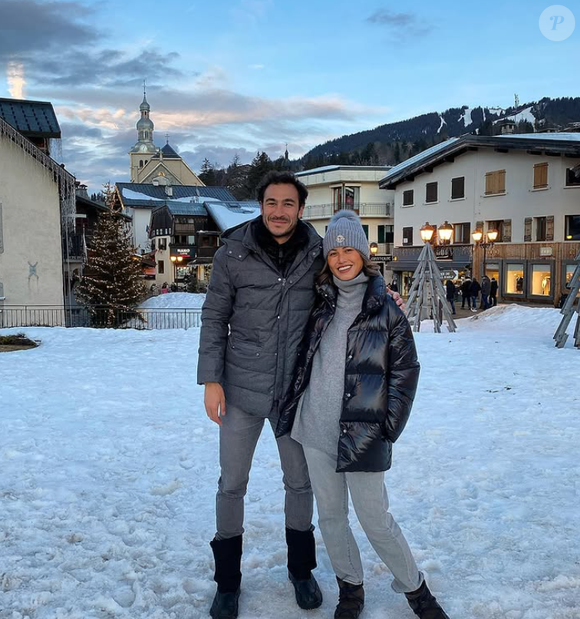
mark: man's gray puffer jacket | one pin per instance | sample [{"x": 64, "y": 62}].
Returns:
[{"x": 253, "y": 320}]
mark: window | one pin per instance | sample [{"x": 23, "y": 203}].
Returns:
[
  {"x": 458, "y": 188},
  {"x": 408, "y": 236},
  {"x": 386, "y": 234},
  {"x": 366, "y": 231},
  {"x": 495, "y": 183},
  {"x": 572, "y": 178},
  {"x": 163, "y": 243},
  {"x": 573, "y": 227},
  {"x": 346, "y": 197},
  {"x": 504, "y": 229},
  {"x": 408, "y": 198},
  {"x": 152, "y": 243},
  {"x": 461, "y": 233},
  {"x": 160, "y": 267},
  {"x": 540, "y": 175},
  {"x": 431, "y": 192},
  {"x": 141, "y": 163},
  {"x": 541, "y": 280},
  {"x": 540, "y": 228},
  {"x": 568, "y": 273},
  {"x": 514, "y": 279}
]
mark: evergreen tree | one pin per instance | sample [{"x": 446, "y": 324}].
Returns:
[
  {"x": 111, "y": 286},
  {"x": 260, "y": 166},
  {"x": 207, "y": 174}
]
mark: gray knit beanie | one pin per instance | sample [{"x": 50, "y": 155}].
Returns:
[{"x": 345, "y": 230}]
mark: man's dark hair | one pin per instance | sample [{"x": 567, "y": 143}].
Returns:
[{"x": 282, "y": 178}]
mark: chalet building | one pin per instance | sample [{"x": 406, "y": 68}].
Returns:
[
  {"x": 525, "y": 187},
  {"x": 186, "y": 235},
  {"x": 37, "y": 206},
  {"x": 139, "y": 200},
  {"x": 335, "y": 187}
]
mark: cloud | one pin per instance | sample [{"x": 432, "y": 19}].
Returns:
[
  {"x": 28, "y": 26},
  {"x": 398, "y": 23}
]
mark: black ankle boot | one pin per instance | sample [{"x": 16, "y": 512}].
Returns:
[
  {"x": 301, "y": 562},
  {"x": 228, "y": 576},
  {"x": 424, "y": 604},
  {"x": 351, "y": 600}
]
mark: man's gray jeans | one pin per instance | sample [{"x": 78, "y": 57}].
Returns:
[
  {"x": 370, "y": 500},
  {"x": 239, "y": 434}
]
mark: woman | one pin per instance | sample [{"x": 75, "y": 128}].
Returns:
[{"x": 353, "y": 387}]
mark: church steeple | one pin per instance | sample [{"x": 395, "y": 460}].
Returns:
[{"x": 145, "y": 128}]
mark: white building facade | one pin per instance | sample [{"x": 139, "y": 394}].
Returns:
[
  {"x": 332, "y": 188},
  {"x": 32, "y": 186},
  {"x": 526, "y": 187}
]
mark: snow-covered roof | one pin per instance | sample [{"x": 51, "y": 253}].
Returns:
[
  {"x": 419, "y": 157},
  {"x": 230, "y": 214},
  {"x": 568, "y": 143},
  {"x": 331, "y": 168},
  {"x": 148, "y": 195},
  {"x": 558, "y": 135}
]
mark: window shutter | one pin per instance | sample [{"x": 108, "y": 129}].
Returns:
[
  {"x": 527, "y": 229},
  {"x": 507, "y": 231},
  {"x": 458, "y": 187},
  {"x": 381, "y": 234},
  {"x": 489, "y": 178},
  {"x": 550, "y": 228},
  {"x": 408, "y": 197},
  {"x": 540, "y": 175},
  {"x": 501, "y": 182},
  {"x": 431, "y": 192}
]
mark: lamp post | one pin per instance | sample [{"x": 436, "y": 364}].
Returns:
[
  {"x": 445, "y": 231},
  {"x": 484, "y": 241}
]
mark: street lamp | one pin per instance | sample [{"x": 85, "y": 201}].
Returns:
[
  {"x": 445, "y": 233},
  {"x": 427, "y": 231},
  {"x": 374, "y": 247},
  {"x": 484, "y": 241}
]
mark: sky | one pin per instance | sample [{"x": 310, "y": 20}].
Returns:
[{"x": 239, "y": 76}]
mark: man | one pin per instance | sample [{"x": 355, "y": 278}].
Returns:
[
  {"x": 493, "y": 291},
  {"x": 258, "y": 302},
  {"x": 485, "y": 292}
]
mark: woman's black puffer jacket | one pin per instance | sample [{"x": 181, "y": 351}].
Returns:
[{"x": 381, "y": 376}]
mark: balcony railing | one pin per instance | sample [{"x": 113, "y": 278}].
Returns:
[{"x": 364, "y": 209}]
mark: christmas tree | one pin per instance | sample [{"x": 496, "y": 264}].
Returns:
[{"x": 111, "y": 286}]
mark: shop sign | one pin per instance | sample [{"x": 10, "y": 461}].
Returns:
[
  {"x": 545, "y": 251},
  {"x": 449, "y": 274},
  {"x": 443, "y": 252}
]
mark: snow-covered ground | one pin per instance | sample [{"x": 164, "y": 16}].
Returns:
[
  {"x": 172, "y": 300},
  {"x": 109, "y": 466}
]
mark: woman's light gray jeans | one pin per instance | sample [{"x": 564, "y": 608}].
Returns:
[{"x": 370, "y": 500}]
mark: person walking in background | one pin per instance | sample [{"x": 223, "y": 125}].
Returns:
[
  {"x": 493, "y": 291},
  {"x": 474, "y": 293},
  {"x": 353, "y": 387},
  {"x": 485, "y": 291},
  {"x": 466, "y": 293},
  {"x": 394, "y": 286},
  {"x": 450, "y": 294}
]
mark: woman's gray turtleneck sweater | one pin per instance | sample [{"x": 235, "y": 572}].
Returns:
[{"x": 318, "y": 415}]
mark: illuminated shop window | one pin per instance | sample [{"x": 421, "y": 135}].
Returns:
[
  {"x": 541, "y": 280},
  {"x": 514, "y": 281}
]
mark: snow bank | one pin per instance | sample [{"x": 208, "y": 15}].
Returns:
[{"x": 174, "y": 300}]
